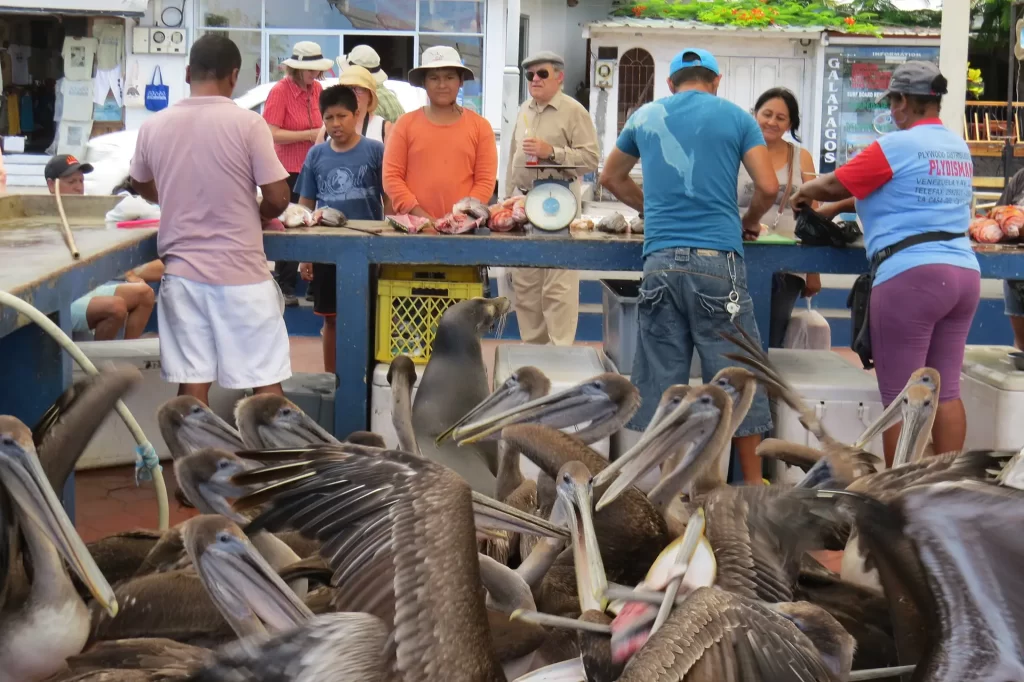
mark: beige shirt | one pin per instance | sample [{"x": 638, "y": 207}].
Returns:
[{"x": 565, "y": 125}]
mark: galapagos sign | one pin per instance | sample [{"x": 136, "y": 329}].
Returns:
[{"x": 854, "y": 78}]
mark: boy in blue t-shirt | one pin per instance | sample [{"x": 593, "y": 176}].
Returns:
[{"x": 343, "y": 173}]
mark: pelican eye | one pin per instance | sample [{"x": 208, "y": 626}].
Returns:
[
  {"x": 928, "y": 403},
  {"x": 224, "y": 537},
  {"x": 705, "y": 400},
  {"x": 566, "y": 477},
  {"x": 7, "y": 440},
  {"x": 285, "y": 411},
  {"x": 223, "y": 464},
  {"x": 196, "y": 409}
]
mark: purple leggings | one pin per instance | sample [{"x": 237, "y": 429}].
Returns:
[{"x": 920, "y": 318}]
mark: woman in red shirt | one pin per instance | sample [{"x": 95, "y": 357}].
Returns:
[{"x": 293, "y": 113}]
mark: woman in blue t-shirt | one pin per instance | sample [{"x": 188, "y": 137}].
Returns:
[{"x": 910, "y": 183}]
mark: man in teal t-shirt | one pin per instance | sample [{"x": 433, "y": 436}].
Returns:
[{"x": 695, "y": 280}]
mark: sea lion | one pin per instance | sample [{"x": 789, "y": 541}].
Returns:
[{"x": 454, "y": 382}]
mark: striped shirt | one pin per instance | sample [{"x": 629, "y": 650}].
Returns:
[{"x": 289, "y": 107}]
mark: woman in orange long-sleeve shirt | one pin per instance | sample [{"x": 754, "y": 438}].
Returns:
[{"x": 442, "y": 152}]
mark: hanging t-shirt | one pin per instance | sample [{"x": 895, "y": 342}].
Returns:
[
  {"x": 78, "y": 100},
  {"x": 111, "y": 37},
  {"x": 19, "y": 64},
  {"x": 78, "y": 54}
]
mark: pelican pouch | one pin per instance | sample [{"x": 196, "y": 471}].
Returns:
[
  {"x": 814, "y": 229},
  {"x": 859, "y": 301}
]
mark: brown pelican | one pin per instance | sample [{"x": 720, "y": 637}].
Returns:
[
  {"x": 187, "y": 425},
  {"x": 224, "y": 593},
  {"x": 269, "y": 421},
  {"x": 51, "y": 624},
  {"x": 915, "y": 406},
  {"x": 399, "y": 532},
  {"x": 402, "y": 378},
  {"x": 523, "y": 385},
  {"x": 245, "y": 589},
  {"x": 453, "y": 382}
]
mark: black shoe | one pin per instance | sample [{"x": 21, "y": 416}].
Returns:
[
  {"x": 290, "y": 301},
  {"x": 310, "y": 297}
]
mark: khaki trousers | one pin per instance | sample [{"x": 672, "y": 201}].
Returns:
[{"x": 547, "y": 305}]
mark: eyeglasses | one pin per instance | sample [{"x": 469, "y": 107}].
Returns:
[{"x": 539, "y": 73}]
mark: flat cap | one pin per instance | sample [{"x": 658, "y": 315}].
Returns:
[{"x": 544, "y": 58}]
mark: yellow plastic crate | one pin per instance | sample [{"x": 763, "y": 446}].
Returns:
[
  {"x": 409, "y": 310},
  {"x": 435, "y": 273}
]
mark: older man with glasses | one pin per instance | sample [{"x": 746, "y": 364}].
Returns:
[{"x": 551, "y": 128}]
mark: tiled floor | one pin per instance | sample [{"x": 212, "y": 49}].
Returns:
[{"x": 108, "y": 500}]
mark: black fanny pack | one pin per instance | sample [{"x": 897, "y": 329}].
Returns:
[{"x": 860, "y": 295}]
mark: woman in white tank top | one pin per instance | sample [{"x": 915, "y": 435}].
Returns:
[
  {"x": 778, "y": 113},
  {"x": 368, "y": 123}
]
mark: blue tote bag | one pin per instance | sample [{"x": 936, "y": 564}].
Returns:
[{"x": 157, "y": 94}]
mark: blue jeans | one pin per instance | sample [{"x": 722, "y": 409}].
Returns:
[
  {"x": 682, "y": 306},
  {"x": 1013, "y": 297}
]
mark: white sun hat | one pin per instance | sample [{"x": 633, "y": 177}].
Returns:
[
  {"x": 308, "y": 56},
  {"x": 438, "y": 57},
  {"x": 366, "y": 57}
]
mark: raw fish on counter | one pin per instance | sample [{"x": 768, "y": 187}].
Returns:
[
  {"x": 1010, "y": 219},
  {"x": 636, "y": 225},
  {"x": 582, "y": 224},
  {"x": 297, "y": 216},
  {"x": 613, "y": 224},
  {"x": 408, "y": 223},
  {"x": 508, "y": 214},
  {"x": 467, "y": 215},
  {"x": 331, "y": 217},
  {"x": 986, "y": 231}
]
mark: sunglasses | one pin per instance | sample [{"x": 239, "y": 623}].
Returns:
[{"x": 540, "y": 73}]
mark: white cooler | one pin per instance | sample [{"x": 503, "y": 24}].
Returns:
[
  {"x": 993, "y": 393},
  {"x": 845, "y": 399},
  {"x": 565, "y": 366},
  {"x": 113, "y": 444},
  {"x": 380, "y": 403}
]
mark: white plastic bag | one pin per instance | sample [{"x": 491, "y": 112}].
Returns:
[
  {"x": 808, "y": 330},
  {"x": 132, "y": 208}
]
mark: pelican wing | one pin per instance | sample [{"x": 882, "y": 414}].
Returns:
[
  {"x": 65, "y": 430},
  {"x": 969, "y": 542},
  {"x": 717, "y": 636},
  {"x": 341, "y": 647},
  {"x": 978, "y": 465},
  {"x": 399, "y": 532},
  {"x": 159, "y": 656}
]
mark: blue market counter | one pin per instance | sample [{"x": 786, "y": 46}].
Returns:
[{"x": 33, "y": 371}]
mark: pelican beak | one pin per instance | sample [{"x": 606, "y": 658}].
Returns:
[
  {"x": 548, "y": 620},
  {"x": 577, "y": 502},
  {"x": 576, "y": 405},
  {"x": 570, "y": 670},
  {"x": 205, "y": 429},
  {"x": 891, "y": 416},
  {"x": 507, "y": 397},
  {"x": 28, "y": 487},
  {"x": 248, "y": 591},
  {"x": 916, "y": 410},
  {"x": 682, "y": 430},
  {"x": 302, "y": 429},
  {"x": 687, "y": 548},
  {"x": 657, "y": 427},
  {"x": 491, "y": 515}
]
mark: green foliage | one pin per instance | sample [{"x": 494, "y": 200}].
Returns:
[{"x": 859, "y": 16}]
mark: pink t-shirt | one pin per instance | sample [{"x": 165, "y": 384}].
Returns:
[{"x": 207, "y": 156}]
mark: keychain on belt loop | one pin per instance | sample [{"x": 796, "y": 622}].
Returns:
[{"x": 733, "y": 306}]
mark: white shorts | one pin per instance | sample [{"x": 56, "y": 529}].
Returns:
[{"x": 234, "y": 335}]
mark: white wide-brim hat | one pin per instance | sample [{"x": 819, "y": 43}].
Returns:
[
  {"x": 438, "y": 57},
  {"x": 366, "y": 57},
  {"x": 308, "y": 56}
]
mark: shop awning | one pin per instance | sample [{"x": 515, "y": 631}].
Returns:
[{"x": 134, "y": 8}]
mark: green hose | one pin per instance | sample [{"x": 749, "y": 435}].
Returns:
[{"x": 148, "y": 461}]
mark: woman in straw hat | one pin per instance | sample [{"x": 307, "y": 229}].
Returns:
[
  {"x": 441, "y": 153},
  {"x": 368, "y": 123},
  {"x": 293, "y": 113}
]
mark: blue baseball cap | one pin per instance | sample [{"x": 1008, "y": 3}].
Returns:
[{"x": 703, "y": 58}]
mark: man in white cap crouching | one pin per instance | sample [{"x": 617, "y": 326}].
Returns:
[{"x": 388, "y": 106}]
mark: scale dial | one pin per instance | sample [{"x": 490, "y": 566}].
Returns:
[{"x": 550, "y": 206}]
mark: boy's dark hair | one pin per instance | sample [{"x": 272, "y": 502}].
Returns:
[
  {"x": 338, "y": 96},
  {"x": 690, "y": 74},
  {"x": 213, "y": 57}
]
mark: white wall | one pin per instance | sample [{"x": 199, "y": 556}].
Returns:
[
  {"x": 556, "y": 27},
  {"x": 751, "y": 56},
  {"x": 172, "y": 67}
]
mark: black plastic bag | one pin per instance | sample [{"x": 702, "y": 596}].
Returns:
[
  {"x": 814, "y": 229},
  {"x": 860, "y": 329}
]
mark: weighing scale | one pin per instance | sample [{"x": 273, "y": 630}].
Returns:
[{"x": 551, "y": 205}]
